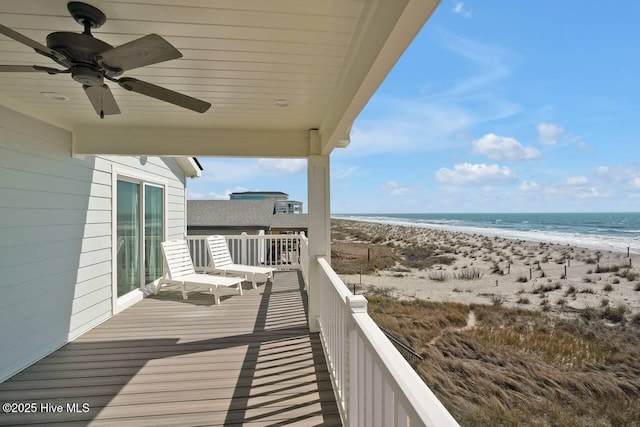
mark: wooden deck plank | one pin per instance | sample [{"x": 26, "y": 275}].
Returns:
[{"x": 165, "y": 361}]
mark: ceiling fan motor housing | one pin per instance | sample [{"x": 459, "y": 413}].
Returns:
[
  {"x": 82, "y": 50},
  {"x": 87, "y": 75}
]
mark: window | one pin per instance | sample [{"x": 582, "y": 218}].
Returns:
[
  {"x": 139, "y": 231},
  {"x": 128, "y": 237},
  {"x": 153, "y": 232}
]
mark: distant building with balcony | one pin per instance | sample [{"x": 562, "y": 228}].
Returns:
[
  {"x": 241, "y": 215},
  {"x": 282, "y": 203}
]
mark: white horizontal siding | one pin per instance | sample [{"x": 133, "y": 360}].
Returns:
[{"x": 56, "y": 236}]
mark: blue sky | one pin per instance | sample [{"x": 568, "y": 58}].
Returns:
[{"x": 495, "y": 107}]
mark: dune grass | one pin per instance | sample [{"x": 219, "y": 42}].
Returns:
[
  {"x": 418, "y": 321},
  {"x": 520, "y": 368},
  {"x": 356, "y": 257},
  {"x": 387, "y": 245}
]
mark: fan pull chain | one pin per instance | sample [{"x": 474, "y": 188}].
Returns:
[{"x": 102, "y": 103}]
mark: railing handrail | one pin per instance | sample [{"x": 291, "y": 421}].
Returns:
[
  {"x": 277, "y": 250},
  {"x": 304, "y": 258},
  {"x": 247, "y": 236},
  {"x": 401, "y": 346},
  {"x": 419, "y": 397},
  {"x": 334, "y": 279},
  {"x": 412, "y": 396}
]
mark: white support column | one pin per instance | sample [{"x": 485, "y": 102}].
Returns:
[{"x": 319, "y": 223}]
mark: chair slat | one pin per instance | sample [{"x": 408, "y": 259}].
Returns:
[{"x": 177, "y": 257}]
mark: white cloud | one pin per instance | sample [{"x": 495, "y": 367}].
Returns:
[
  {"x": 242, "y": 170},
  {"x": 283, "y": 165},
  {"x": 460, "y": 9},
  {"x": 212, "y": 195},
  {"x": 584, "y": 146},
  {"x": 549, "y": 133},
  {"x": 225, "y": 196},
  {"x": 394, "y": 189},
  {"x": 529, "y": 186},
  {"x": 590, "y": 193},
  {"x": 437, "y": 120},
  {"x": 407, "y": 126},
  {"x": 193, "y": 195},
  {"x": 617, "y": 180},
  {"x": 344, "y": 173},
  {"x": 467, "y": 173},
  {"x": 498, "y": 148},
  {"x": 492, "y": 65},
  {"x": 228, "y": 170},
  {"x": 577, "y": 180}
]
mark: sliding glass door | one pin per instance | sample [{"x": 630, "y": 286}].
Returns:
[
  {"x": 139, "y": 232},
  {"x": 153, "y": 232},
  {"x": 128, "y": 231}
]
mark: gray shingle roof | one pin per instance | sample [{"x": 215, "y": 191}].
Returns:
[
  {"x": 229, "y": 213},
  {"x": 271, "y": 193},
  {"x": 240, "y": 213},
  {"x": 283, "y": 220}
]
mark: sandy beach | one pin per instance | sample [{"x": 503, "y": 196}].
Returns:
[{"x": 408, "y": 263}]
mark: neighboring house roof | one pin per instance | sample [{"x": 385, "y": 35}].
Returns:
[
  {"x": 289, "y": 221},
  {"x": 230, "y": 213},
  {"x": 270, "y": 193},
  {"x": 241, "y": 213}
]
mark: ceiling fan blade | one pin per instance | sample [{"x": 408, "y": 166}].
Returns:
[
  {"x": 38, "y": 47},
  {"x": 163, "y": 94},
  {"x": 17, "y": 68},
  {"x": 30, "y": 68},
  {"x": 146, "y": 50},
  {"x": 102, "y": 100}
]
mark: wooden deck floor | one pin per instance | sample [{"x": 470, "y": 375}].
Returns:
[{"x": 165, "y": 361}]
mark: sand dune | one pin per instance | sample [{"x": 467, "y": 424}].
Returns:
[{"x": 559, "y": 279}]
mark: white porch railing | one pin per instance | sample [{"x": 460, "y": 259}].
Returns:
[
  {"x": 281, "y": 251},
  {"x": 374, "y": 384},
  {"x": 304, "y": 259}
]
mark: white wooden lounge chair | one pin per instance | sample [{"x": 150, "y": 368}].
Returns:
[
  {"x": 181, "y": 272},
  {"x": 221, "y": 261}
]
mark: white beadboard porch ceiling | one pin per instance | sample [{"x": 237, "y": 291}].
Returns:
[{"x": 325, "y": 57}]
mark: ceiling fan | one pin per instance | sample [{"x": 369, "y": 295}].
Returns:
[{"x": 90, "y": 61}]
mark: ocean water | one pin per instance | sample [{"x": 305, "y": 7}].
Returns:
[{"x": 602, "y": 231}]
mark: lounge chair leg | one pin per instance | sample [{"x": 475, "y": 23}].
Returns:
[
  {"x": 253, "y": 281},
  {"x": 216, "y": 296},
  {"x": 184, "y": 292},
  {"x": 240, "y": 291}
]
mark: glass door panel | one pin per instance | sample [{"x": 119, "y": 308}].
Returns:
[
  {"x": 153, "y": 232},
  {"x": 128, "y": 237}
]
